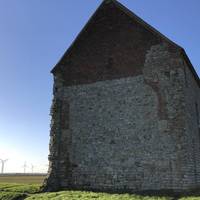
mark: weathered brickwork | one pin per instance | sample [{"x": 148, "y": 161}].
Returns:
[{"x": 134, "y": 128}]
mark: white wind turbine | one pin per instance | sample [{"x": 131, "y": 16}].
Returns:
[
  {"x": 25, "y": 167},
  {"x": 32, "y": 168},
  {"x": 3, "y": 164}
]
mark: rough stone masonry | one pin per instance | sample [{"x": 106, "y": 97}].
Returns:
[{"x": 125, "y": 112}]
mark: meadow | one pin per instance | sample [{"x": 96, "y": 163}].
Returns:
[
  {"x": 22, "y": 178},
  {"x": 29, "y": 188}
]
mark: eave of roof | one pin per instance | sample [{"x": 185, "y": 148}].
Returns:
[{"x": 187, "y": 60}]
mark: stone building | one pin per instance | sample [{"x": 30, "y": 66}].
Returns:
[{"x": 125, "y": 112}]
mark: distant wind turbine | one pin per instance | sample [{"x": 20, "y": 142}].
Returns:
[
  {"x": 25, "y": 166},
  {"x": 32, "y": 168},
  {"x": 3, "y": 165}
]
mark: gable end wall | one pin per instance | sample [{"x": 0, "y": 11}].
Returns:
[{"x": 124, "y": 134}]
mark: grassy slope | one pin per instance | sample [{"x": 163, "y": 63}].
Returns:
[
  {"x": 13, "y": 191},
  {"x": 11, "y": 196},
  {"x": 16, "y": 186},
  {"x": 30, "y": 192},
  {"x": 10, "y": 191}
]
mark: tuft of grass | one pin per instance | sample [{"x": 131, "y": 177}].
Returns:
[
  {"x": 10, "y": 191},
  {"x": 20, "y": 188},
  {"x": 190, "y": 198},
  {"x": 11, "y": 195}
]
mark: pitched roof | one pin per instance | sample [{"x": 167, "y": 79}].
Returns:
[{"x": 140, "y": 21}]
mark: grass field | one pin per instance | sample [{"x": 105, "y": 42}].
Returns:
[
  {"x": 30, "y": 179},
  {"x": 24, "y": 190}
]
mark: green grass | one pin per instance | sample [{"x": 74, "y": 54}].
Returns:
[
  {"x": 11, "y": 195},
  {"x": 10, "y": 191},
  {"x": 14, "y": 191},
  {"x": 21, "y": 188},
  {"x": 76, "y": 195}
]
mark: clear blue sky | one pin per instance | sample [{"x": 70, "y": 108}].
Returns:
[{"x": 33, "y": 36}]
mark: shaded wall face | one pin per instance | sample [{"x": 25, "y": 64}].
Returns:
[
  {"x": 115, "y": 136},
  {"x": 119, "y": 111},
  {"x": 123, "y": 134},
  {"x": 126, "y": 133},
  {"x": 115, "y": 110}
]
